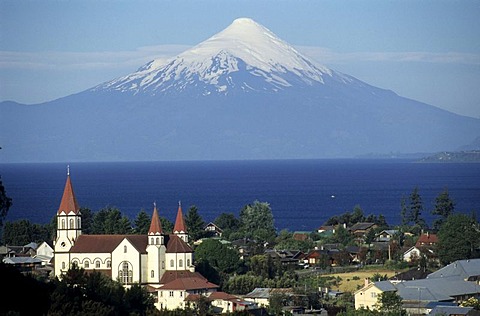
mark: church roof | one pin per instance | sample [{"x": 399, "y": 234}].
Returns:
[
  {"x": 155, "y": 225},
  {"x": 69, "y": 202},
  {"x": 107, "y": 243},
  {"x": 179, "y": 221},
  {"x": 170, "y": 276},
  {"x": 176, "y": 245}
]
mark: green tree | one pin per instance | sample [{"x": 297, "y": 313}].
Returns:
[
  {"x": 416, "y": 209},
  {"x": 195, "y": 224},
  {"x": 228, "y": 223},
  {"x": 444, "y": 207},
  {"x": 87, "y": 220},
  {"x": 257, "y": 222},
  {"x": 218, "y": 255},
  {"x": 22, "y": 232},
  {"x": 142, "y": 223},
  {"x": 458, "y": 238},
  {"x": 167, "y": 226},
  {"x": 110, "y": 221},
  {"x": 405, "y": 217},
  {"x": 5, "y": 203},
  {"x": 390, "y": 303}
]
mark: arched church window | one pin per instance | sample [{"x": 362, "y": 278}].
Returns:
[
  {"x": 152, "y": 273},
  {"x": 71, "y": 223},
  {"x": 109, "y": 264},
  {"x": 63, "y": 224},
  {"x": 63, "y": 265},
  {"x": 125, "y": 249},
  {"x": 157, "y": 241},
  {"x": 188, "y": 262},
  {"x": 97, "y": 264},
  {"x": 79, "y": 223},
  {"x": 172, "y": 263},
  {"x": 180, "y": 263},
  {"x": 87, "y": 264},
  {"x": 163, "y": 264},
  {"x": 151, "y": 241},
  {"x": 126, "y": 273}
]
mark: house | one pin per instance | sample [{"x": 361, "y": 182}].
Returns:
[
  {"x": 213, "y": 230},
  {"x": 414, "y": 253},
  {"x": 301, "y": 236},
  {"x": 320, "y": 257},
  {"x": 261, "y": 296},
  {"x": 45, "y": 253},
  {"x": 360, "y": 231},
  {"x": 161, "y": 261},
  {"x": 427, "y": 240},
  {"x": 367, "y": 297},
  {"x": 386, "y": 235},
  {"x": 454, "y": 283}
]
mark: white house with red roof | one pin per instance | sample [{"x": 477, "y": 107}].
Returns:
[{"x": 163, "y": 262}]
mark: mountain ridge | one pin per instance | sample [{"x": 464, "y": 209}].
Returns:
[{"x": 219, "y": 106}]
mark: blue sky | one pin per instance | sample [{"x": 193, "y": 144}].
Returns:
[{"x": 428, "y": 50}]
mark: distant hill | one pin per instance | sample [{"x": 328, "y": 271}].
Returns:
[
  {"x": 243, "y": 93},
  {"x": 460, "y": 156}
]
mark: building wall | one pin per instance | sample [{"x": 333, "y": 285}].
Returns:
[
  {"x": 126, "y": 259},
  {"x": 367, "y": 297}
]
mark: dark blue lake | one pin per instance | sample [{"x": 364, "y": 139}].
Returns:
[{"x": 303, "y": 194}]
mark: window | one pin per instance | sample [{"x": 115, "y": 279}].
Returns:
[
  {"x": 79, "y": 223},
  {"x": 87, "y": 264},
  {"x": 374, "y": 294},
  {"x": 181, "y": 294},
  {"x": 97, "y": 264},
  {"x": 71, "y": 223},
  {"x": 172, "y": 263},
  {"x": 188, "y": 262},
  {"x": 151, "y": 241},
  {"x": 171, "y": 293},
  {"x": 163, "y": 264},
  {"x": 180, "y": 263},
  {"x": 125, "y": 274},
  {"x": 157, "y": 241},
  {"x": 63, "y": 224},
  {"x": 125, "y": 249},
  {"x": 109, "y": 264},
  {"x": 152, "y": 274},
  {"x": 63, "y": 265}
]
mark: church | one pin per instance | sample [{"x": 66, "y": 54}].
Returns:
[{"x": 161, "y": 261}]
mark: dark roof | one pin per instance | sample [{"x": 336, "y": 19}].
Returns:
[
  {"x": 412, "y": 274},
  {"x": 107, "y": 243},
  {"x": 361, "y": 226},
  {"x": 185, "y": 281}
]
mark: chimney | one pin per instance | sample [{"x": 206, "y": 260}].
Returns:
[{"x": 367, "y": 281}]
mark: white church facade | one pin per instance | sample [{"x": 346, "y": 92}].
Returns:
[{"x": 162, "y": 262}]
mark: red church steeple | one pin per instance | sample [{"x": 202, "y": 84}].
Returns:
[
  {"x": 155, "y": 225},
  {"x": 69, "y": 202},
  {"x": 179, "y": 221}
]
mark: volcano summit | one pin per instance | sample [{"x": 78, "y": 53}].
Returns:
[{"x": 241, "y": 94}]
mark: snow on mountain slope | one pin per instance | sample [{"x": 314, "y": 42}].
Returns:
[{"x": 245, "y": 56}]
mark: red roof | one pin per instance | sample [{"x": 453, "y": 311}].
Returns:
[
  {"x": 169, "y": 276},
  {"x": 179, "y": 222},
  {"x": 427, "y": 240},
  {"x": 155, "y": 225},
  {"x": 107, "y": 243},
  {"x": 189, "y": 283},
  {"x": 176, "y": 245},
  {"x": 69, "y": 202}
]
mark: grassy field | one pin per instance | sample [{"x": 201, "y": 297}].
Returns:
[{"x": 350, "y": 281}]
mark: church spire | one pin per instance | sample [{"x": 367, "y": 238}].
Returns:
[
  {"x": 179, "y": 221},
  {"x": 69, "y": 202},
  {"x": 155, "y": 225}
]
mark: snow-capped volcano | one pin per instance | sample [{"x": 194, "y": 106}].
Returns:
[
  {"x": 245, "y": 56},
  {"x": 241, "y": 94}
]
